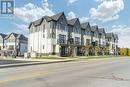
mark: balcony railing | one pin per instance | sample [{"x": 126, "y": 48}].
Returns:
[
  {"x": 60, "y": 41},
  {"x": 77, "y": 43}
]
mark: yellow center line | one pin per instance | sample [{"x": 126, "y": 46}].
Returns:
[{"x": 21, "y": 77}]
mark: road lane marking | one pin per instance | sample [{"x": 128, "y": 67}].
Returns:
[
  {"x": 31, "y": 75},
  {"x": 47, "y": 73}
]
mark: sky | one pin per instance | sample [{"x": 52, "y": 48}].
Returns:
[{"x": 113, "y": 15}]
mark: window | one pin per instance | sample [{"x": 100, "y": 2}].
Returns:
[
  {"x": 62, "y": 38},
  {"x": 43, "y": 46},
  {"x": 54, "y": 48},
  {"x": 77, "y": 40},
  {"x": 77, "y": 29},
  {"x": 1, "y": 40},
  {"x": 51, "y": 24},
  {"x": 88, "y": 41},
  {"x": 44, "y": 33},
  {"x": 44, "y": 26},
  {"x": 11, "y": 47},
  {"x": 53, "y": 35}
]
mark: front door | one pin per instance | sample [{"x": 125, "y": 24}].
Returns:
[{"x": 63, "y": 51}]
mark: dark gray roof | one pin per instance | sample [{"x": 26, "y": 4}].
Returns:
[
  {"x": 3, "y": 35},
  {"x": 101, "y": 30},
  {"x": 109, "y": 35},
  {"x": 94, "y": 28},
  {"x": 39, "y": 21},
  {"x": 19, "y": 36},
  {"x": 112, "y": 35},
  {"x": 115, "y": 36},
  {"x": 85, "y": 25},
  {"x": 57, "y": 16},
  {"x": 72, "y": 21}
]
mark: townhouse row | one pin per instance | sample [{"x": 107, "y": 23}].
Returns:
[
  {"x": 13, "y": 44},
  {"x": 56, "y": 35}
]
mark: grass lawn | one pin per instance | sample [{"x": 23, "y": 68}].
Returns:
[
  {"x": 55, "y": 58},
  {"x": 77, "y": 57},
  {"x": 99, "y": 57}
]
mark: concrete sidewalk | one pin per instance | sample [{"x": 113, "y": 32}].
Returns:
[{"x": 28, "y": 62}]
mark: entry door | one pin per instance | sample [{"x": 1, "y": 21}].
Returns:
[
  {"x": 78, "y": 50},
  {"x": 63, "y": 51}
]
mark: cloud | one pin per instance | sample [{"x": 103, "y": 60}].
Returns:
[
  {"x": 20, "y": 28},
  {"x": 123, "y": 32},
  {"x": 71, "y": 15},
  {"x": 107, "y": 10},
  {"x": 83, "y": 19},
  {"x": 30, "y": 12},
  {"x": 71, "y": 1}
]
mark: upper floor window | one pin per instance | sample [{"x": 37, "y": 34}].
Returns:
[
  {"x": 77, "y": 40},
  {"x": 88, "y": 41},
  {"x": 44, "y": 26},
  {"x": 43, "y": 33},
  {"x": 83, "y": 32},
  {"x": 77, "y": 29},
  {"x": 96, "y": 34},
  {"x": 35, "y": 29},
  {"x": 70, "y": 29},
  {"x": 62, "y": 38},
  {"x": 53, "y": 25},
  {"x": 1, "y": 40}
]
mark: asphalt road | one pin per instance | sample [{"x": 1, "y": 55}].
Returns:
[
  {"x": 92, "y": 73},
  {"x": 4, "y": 62}
]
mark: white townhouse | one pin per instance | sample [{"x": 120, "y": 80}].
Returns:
[
  {"x": 102, "y": 37},
  {"x": 116, "y": 44},
  {"x": 2, "y": 42},
  {"x": 55, "y": 35},
  {"x": 112, "y": 40},
  {"x": 15, "y": 44},
  {"x": 86, "y": 33},
  {"x": 74, "y": 29},
  {"x": 102, "y": 40},
  {"x": 94, "y": 35},
  {"x": 48, "y": 36}
]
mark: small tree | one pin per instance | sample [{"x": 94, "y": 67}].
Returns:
[
  {"x": 71, "y": 47},
  {"x": 97, "y": 48},
  {"x": 72, "y": 50},
  {"x": 86, "y": 49},
  {"x": 106, "y": 49}
]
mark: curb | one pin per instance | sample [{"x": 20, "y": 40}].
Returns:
[{"x": 34, "y": 63}]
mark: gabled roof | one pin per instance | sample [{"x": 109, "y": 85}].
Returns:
[
  {"x": 101, "y": 30},
  {"x": 85, "y": 25},
  {"x": 109, "y": 35},
  {"x": 115, "y": 36},
  {"x": 72, "y": 21},
  {"x": 3, "y": 35},
  {"x": 15, "y": 35},
  {"x": 57, "y": 16},
  {"x": 94, "y": 28},
  {"x": 19, "y": 36},
  {"x": 39, "y": 21}
]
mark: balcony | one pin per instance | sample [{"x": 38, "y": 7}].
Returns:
[
  {"x": 71, "y": 41},
  {"x": 77, "y": 43},
  {"x": 61, "y": 41}
]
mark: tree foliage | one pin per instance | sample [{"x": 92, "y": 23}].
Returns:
[{"x": 125, "y": 51}]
